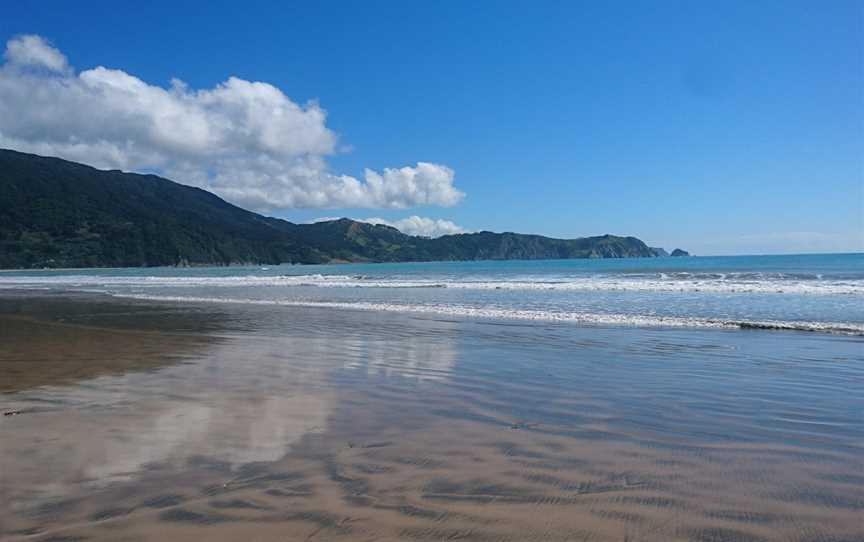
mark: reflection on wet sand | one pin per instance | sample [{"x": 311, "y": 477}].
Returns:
[
  {"x": 317, "y": 425},
  {"x": 36, "y": 353}
]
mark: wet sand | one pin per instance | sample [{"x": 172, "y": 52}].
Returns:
[{"x": 146, "y": 421}]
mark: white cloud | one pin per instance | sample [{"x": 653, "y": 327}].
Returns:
[
  {"x": 412, "y": 225},
  {"x": 422, "y": 226},
  {"x": 35, "y": 52},
  {"x": 247, "y": 141}
]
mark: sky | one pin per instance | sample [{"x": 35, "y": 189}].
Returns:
[{"x": 719, "y": 127}]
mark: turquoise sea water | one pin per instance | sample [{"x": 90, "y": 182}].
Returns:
[{"x": 805, "y": 292}]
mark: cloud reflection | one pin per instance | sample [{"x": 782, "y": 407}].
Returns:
[{"x": 246, "y": 399}]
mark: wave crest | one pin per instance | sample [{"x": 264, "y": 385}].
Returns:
[
  {"x": 634, "y": 320},
  {"x": 680, "y": 282}
]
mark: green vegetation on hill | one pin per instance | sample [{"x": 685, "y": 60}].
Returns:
[{"x": 56, "y": 213}]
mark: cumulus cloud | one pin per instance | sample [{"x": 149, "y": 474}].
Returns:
[
  {"x": 35, "y": 52},
  {"x": 247, "y": 141},
  {"x": 422, "y": 226},
  {"x": 412, "y": 225}
]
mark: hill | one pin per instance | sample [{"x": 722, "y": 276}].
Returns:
[{"x": 56, "y": 213}]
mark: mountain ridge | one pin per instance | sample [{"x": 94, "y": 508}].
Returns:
[{"x": 58, "y": 213}]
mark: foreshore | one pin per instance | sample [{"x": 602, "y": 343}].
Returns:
[{"x": 143, "y": 420}]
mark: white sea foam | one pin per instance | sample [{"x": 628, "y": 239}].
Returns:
[
  {"x": 634, "y": 320},
  {"x": 677, "y": 282}
]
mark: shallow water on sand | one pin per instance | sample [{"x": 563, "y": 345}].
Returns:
[{"x": 134, "y": 420}]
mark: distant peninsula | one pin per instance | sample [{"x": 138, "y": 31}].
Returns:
[{"x": 59, "y": 214}]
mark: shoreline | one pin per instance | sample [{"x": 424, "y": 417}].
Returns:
[
  {"x": 478, "y": 314},
  {"x": 582, "y": 319}
]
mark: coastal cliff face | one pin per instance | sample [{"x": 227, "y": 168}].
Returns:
[{"x": 55, "y": 213}]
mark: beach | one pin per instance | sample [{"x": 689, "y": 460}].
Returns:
[
  {"x": 158, "y": 419},
  {"x": 431, "y": 272}
]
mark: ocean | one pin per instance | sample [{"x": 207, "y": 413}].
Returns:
[{"x": 805, "y": 292}]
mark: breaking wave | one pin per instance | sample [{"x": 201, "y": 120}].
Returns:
[
  {"x": 767, "y": 283},
  {"x": 844, "y": 328}
]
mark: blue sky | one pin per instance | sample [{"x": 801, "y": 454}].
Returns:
[{"x": 723, "y": 127}]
